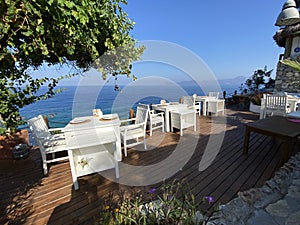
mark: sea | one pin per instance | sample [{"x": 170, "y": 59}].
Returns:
[{"x": 76, "y": 101}]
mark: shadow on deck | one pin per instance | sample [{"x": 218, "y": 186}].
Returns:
[{"x": 28, "y": 197}]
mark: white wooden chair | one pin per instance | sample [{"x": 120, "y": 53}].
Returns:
[
  {"x": 190, "y": 101},
  {"x": 44, "y": 133},
  {"x": 48, "y": 143},
  {"x": 213, "y": 95},
  {"x": 135, "y": 131},
  {"x": 275, "y": 104},
  {"x": 156, "y": 121},
  {"x": 182, "y": 118}
]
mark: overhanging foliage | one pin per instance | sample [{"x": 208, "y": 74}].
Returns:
[{"x": 57, "y": 32}]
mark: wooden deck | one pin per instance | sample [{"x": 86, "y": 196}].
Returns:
[{"x": 27, "y": 197}]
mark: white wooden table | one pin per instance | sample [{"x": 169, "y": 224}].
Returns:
[
  {"x": 167, "y": 108},
  {"x": 211, "y": 104},
  {"x": 93, "y": 145},
  {"x": 293, "y": 101},
  {"x": 183, "y": 118}
]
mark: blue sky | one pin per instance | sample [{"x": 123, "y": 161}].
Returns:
[{"x": 231, "y": 37}]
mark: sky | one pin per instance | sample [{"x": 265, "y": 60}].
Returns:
[{"x": 230, "y": 37}]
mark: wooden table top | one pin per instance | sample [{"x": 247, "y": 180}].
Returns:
[{"x": 278, "y": 125}]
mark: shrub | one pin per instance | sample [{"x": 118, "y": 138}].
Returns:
[
  {"x": 171, "y": 204},
  {"x": 260, "y": 80}
]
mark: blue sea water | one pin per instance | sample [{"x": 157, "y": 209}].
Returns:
[{"x": 80, "y": 101}]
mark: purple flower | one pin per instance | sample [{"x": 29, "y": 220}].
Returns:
[
  {"x": 151, "y": 191},
  {"x": 209, "y": 199}
]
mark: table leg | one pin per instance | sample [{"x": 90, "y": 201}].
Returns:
[
  {"x": 73, "y": 172},
  {"x": 118, "y": 155},
  {"x": 293, "y": 105},
  {"x": 167, "y": 122},
  {"x": 204, "y": 108},
  {"x": 195, "y": 122},
  {"x": 286, "y": 150},
  {"x": 246, "y": 140},
  {"x": 117, "y": 170}
]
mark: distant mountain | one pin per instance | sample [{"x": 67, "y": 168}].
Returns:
[
  {"x": 236, "y": 81},
  {"x": 229, "y": 85}
]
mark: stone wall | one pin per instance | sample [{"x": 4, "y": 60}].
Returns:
[
  {"x": 287, "y": 79},
  {"x": 276, "y": 202}
]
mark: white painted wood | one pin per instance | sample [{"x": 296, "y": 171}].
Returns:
[
  {"x": 275, "y": 104},
  {"x": 94, "y": 141},
  {"x": 136, "y": 130},
  {"x": 182, "y": 119},
  {"x": 93, "y": 125},
  {"x": 48, "y": 143}
]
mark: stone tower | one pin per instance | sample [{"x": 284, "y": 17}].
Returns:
[{"x": 288, "y": 37}]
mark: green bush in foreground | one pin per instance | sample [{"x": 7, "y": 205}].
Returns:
[{"x": 171, "y": 204}]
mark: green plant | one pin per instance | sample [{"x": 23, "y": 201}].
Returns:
[
  {"x": 62, "y": 34},
  {"x": 171, "y": 204},
  {"x": 256, "y": 98},
  {"x": 291, "y": 63},
  {"x": 261, "y": 79}
]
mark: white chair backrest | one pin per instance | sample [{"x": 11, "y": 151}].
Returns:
[
  {"x": 38, "y": 126},
  {"x": 276, "y": 103},
  {"x": 213, "y": 94},
  {"x": 142, "y": 114},
  {"x": 188, "y": 100}
]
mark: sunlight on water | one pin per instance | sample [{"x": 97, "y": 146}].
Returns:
[{"x": 59, "y": 108}]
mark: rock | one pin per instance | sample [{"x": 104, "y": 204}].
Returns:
[
  {"x": 294, "y": 191},
  {"x": 293, "y": 219},
  {"x": 276, "y": 202},
  {"x": 280, "y": 208}
]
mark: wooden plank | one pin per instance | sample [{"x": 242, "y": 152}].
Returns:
[{"x": 51, "y": 199}]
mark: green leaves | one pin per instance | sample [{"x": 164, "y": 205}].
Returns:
[
  {"x": 260, "y": 79},
  {"x": 27, "y": 33},
  {"x": 56, "y": 32},
  {"x": 292, "y": 63}
]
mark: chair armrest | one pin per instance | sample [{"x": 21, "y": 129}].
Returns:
[
  {"x": 55, "y": 130},
  {"x": 126, "y": 122},
  {"x": 160, "y": 114},
  {"x": 131, "y": 126},
  {"x": 153, "y": 114},
  {"x": 185, "y": 112},
  {"x": 53, "y": 138}
]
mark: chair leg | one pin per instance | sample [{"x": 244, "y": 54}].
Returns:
[
  {"x": 44, "y": 161},
  {"x": 125, "y": 147},
  {"x": 145, "y": 144}
]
